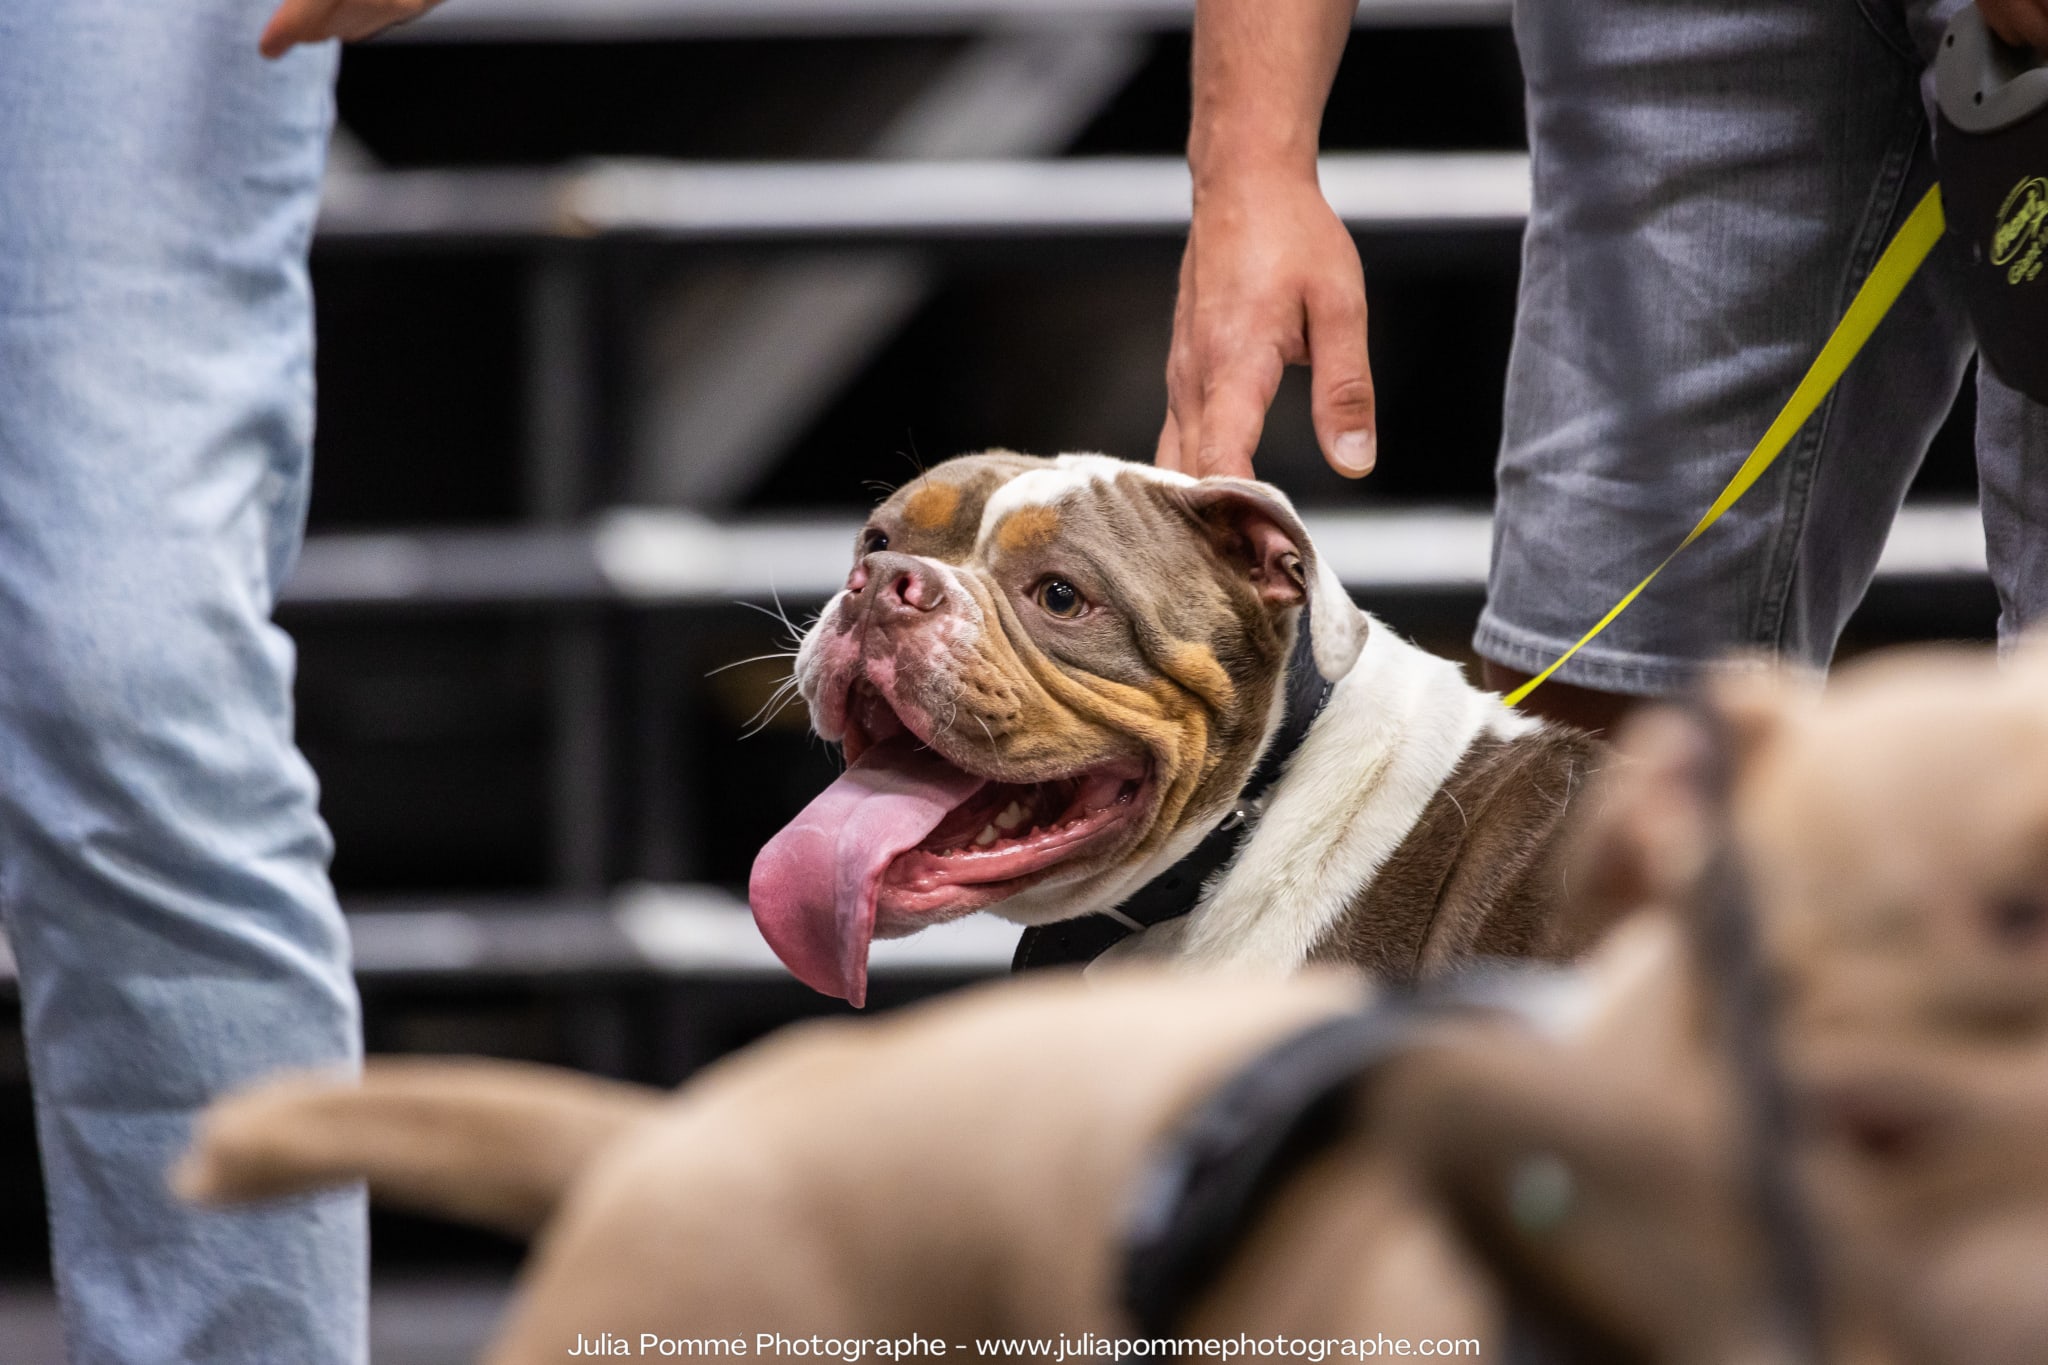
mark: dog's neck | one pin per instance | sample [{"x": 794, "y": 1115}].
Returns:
[
  {"x": 1394, "y": 730},
  {"x": 1170, "y": 894},
  {"x": 1345, "y": 789}
]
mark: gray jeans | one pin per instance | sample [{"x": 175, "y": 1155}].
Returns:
[{"x": 1713, "y": 180}]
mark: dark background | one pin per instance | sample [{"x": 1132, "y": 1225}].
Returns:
[{"x": 438, "y": 728}]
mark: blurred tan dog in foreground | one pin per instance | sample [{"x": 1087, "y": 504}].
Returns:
[{"x": 965, "y": 1169}]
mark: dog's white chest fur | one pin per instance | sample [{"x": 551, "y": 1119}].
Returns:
[{"x": 1394, "y": 730}]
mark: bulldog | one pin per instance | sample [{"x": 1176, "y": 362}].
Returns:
[
  {"x": 1080, "y": 687},
  {"x": 972, "y": 1169},
  {"x": 1577, "y": 1164}
]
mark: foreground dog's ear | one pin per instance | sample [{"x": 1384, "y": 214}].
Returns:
[
  {"x": 1755, "y": 704},
  {"x": 1253, "y": 526},
  {"x": 1643, "y": 837},
  {"x": 1647, "y": 829}
]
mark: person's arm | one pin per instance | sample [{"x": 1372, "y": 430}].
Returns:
[
  {"x": 1271, "y": 277},
  {"x": 2023, "y": 23},
  {"x": 314, "y": 21}
]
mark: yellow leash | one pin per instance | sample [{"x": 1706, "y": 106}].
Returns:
[{"x": 1880, "y": 290}]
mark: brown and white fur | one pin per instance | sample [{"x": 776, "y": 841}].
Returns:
[
  {"x": 965, "y": 1169},
  {"x": 1413, "y": 827}
]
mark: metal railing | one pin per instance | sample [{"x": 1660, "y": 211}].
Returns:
[
  {"x": 660, "y": 558},
  {"x": 921, "y": 200},
  {"x": 617, "y": 20}
]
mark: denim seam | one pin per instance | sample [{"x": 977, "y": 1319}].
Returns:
[
  {"x": 1636, "y": 674},
  {"x": 1796, "y": 506},
  {"x": 1890, "y": 29},
  {"x": 2010, "y": 548},
  {"x": 9, "y": 917},
  {"x": 10, "y": 857}
]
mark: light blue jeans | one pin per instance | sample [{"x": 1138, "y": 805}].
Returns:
[
  {"x": 1713, "y": 180},
  {"x": 163, "y": 864}
]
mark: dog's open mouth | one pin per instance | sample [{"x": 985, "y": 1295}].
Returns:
[
  {"x": 1001, "y": 836},
  {"x": 906, "y": 838}
]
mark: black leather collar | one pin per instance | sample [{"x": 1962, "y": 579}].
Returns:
[{"x": 1174, "y": 892}]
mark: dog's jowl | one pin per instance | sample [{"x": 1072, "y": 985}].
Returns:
[{"x": 1055, "y": 681}]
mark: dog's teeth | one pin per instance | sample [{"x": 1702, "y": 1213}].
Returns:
[
  {"x": 986, "y": 837},
  {"x": 1012, "y": 816}
]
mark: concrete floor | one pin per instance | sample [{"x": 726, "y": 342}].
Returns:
[{"x": 437, "y": 1320}]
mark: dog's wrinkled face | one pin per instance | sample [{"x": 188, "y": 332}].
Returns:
[{"x": 1049, "y": 676}]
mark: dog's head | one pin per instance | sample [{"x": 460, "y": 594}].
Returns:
[
  {"x": 1050, "y": 678},
  {"x": 1893, "y": 834},
  {"x": 1899, "y": 831}
]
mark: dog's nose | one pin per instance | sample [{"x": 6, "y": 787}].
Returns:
[{"x": 903, "y": 583}]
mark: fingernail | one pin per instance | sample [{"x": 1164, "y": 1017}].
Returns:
[{"x": 1356, "y": 452}]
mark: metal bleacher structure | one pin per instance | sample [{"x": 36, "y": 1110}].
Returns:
[
  {"x": 844, "y": 250},
  {"x": 614, "y": 571},
  {"x": 543, "y": 809},
  {"x": 970, "y": 164}
]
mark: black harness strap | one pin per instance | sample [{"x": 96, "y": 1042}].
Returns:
[
  {"x": 1214, "y": 1174},
  {"x": 1216, "y": 1171},
  {"x": 1174, "y": 892},
  {"x": 1727, "y": 938}
]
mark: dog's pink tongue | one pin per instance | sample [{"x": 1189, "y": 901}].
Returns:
[{"x": 814, "y": 885}]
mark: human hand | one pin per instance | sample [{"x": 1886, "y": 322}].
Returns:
[
  {"x": 2023, "y": 23},
  {"x": 1271, "y": 278},
  {"x": 313, "y": 21}
]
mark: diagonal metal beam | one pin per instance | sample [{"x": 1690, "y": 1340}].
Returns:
[{"x": 741, "y": 358}]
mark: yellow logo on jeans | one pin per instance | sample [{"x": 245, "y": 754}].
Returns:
[{"x": 2021, "y": 237}]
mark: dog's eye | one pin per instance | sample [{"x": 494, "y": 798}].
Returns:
[
  {"x": 873, "y": 541},
  {"x": 1061, "y": 598}
]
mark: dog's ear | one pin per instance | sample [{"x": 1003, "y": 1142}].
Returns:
[
  {"x": 1754, "y": 704},
  {"x": 1253, "y": 527},
  {"x": 1644, "y": 836},
  {"x": 1647, "y": 830}
]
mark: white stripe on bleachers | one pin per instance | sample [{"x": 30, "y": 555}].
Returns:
[
  {"x": 663, "y": 558},
  {"x": 688, "y": 929},
  {"x": 626, "y": 20},
  {"x": 1076, "y": 195},
  {"x": 683, "y": 930},
  {"x": 903, "y": 199}
]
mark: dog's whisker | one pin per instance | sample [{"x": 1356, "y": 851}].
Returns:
[
  {"x": 778, "y": 701},
  {"x": 782, "y": 613},
  {"x": 768, "y": 719},
  {"x": 775, "y": 614},
  {"x": 752, "y": 659}
]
